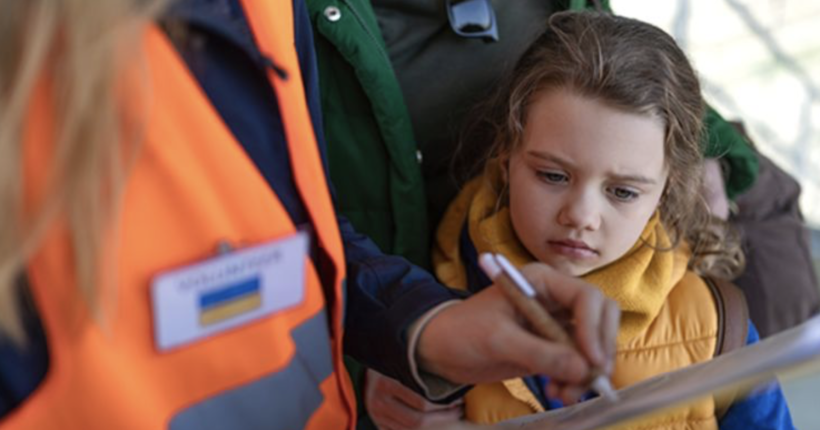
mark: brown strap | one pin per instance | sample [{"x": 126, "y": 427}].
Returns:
[
  {"x": 733, "y": 327},
  {"x": 733, "y": 315}
]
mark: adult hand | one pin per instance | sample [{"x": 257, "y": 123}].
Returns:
[
  {"x": 392, "y": 406},
  {"x": 484, "y": 339}
]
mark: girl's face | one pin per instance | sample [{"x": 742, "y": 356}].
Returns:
[{"x": 585, "y": 180}]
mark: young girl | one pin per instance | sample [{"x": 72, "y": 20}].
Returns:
[{"x": 595, "y": 169}]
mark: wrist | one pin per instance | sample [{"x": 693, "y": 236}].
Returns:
[{"x": 424, "y": 369}]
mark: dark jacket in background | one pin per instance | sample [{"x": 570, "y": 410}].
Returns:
[{"x": 779, "y": 281}]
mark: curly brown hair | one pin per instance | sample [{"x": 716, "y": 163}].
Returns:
[{"x": 635, "y": 67}]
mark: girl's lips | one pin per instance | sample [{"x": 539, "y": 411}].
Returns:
[{"x": 573, "y": 249}]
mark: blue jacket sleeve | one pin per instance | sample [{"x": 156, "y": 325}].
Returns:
[
  {"x": 763, "y": 409},
  {"x": 385, "y": 295},
  {"x": 22, "y": 369}
]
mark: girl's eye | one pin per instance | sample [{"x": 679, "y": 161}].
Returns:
[
  {"x": 553, "y": 177},
  {"x": 623, "y": 194}
]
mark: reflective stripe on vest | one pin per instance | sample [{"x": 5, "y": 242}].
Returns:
[
  {"x": 311, "y": 365},
  {"x": 191, "y": 187}
]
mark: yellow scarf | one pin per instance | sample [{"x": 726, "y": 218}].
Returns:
[{"x": 639, "y": 281}]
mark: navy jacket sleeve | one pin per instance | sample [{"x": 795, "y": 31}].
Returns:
[
  {"x": 763, "y": 409},
  {"x": 385, "y": 295},
  {"x": 22, "y": 368}
]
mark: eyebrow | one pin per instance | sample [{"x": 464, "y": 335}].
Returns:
[
  {"x": 550, "y": 157},
  {"x": 566, "y": 163},
  {"x": 635, "y": 178}
]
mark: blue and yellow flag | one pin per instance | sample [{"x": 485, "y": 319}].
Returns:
[{"x": 229, "y": 301}]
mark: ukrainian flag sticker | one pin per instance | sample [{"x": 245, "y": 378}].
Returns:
[{"x": 229, "y": 301}]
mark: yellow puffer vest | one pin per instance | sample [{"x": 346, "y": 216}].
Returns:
[{"x": 684, "y": 333}]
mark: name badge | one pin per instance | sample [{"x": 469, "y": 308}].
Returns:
[{"x": 227, "y": 291}]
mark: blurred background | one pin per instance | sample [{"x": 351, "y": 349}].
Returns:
[{"x": 759, "y": 62}]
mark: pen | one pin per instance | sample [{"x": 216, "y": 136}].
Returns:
[{"x": 523, "y": 297}]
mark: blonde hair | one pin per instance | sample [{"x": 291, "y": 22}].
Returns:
[
  {"x": 73, "y": 45},
  {"x": 635, "y": 67}
]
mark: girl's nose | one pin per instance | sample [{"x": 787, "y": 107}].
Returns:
[{"x": 580, "y": 212}]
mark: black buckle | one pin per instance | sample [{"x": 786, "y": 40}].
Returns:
[{"x": 473, "y": 19}]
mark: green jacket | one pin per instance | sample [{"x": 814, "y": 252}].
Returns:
[
  {"x": 724, "y": 141},
  {"x": 374, "y": 163},
  {"x": 372, "y": 155}
]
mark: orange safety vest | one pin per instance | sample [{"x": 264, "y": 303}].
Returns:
[{"x": 191, "y": 187}]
